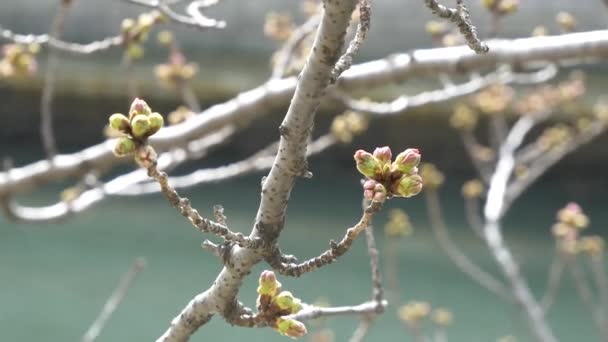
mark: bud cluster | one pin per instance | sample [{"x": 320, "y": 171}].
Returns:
[
  {"x": 549, "y": 97},
  {"x": 494, "y": 99},
  {"x": 386, "y": 179},
  {"x": 431, "y": 176},
  {"x": 176, "y": 71},
  {"x": 136, "y": 128},
  {"x": 18, "y": 60},
  {"x": 274, "y": 305},
  {"x": 566, "y": 21},
  {"x": 501, "y": 7},
  {"x": 414, "y": 313},
  {"x": 398, "y": 224},
  {"x": 463, "y": 118},
  {"x": 472, "y": 189},
  {"x": 571, "y": 221},
  {"x": 348, "y": 125},
  {"x": 135, "y": 32}
]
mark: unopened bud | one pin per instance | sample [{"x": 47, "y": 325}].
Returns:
[
  {"x": 408, "y": 186},
  {"x": 383, "y": 154},
  {"x": 156, "y": 123},
  {"x": 119, "y": 123},
  {"x": 124, "y": 146},
  {"x": 406, "y": 161},
  {"x": 140, "y": 126},
  {"x": 379, "y": 193},
  {"x": 269, "y": 285},
  {"x": 291, "y": 328},
  {"x": 286, "y": 301},
  {"x": 139, "y": 107},
  {"x": 366, "y": 163}
]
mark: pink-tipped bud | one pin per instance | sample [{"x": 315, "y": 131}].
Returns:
[
  {"x": 379, "y": 193},
  {"x": 369, "y": 184},
  {"x": 383, "y": 154},
  {"x": 366, "y": 163},
  {"x": 406, "y": 161},
  {"x": 139, "y": 107},
  {"x": 408, "y": 186},
  {"x": 291, "y": 328},
  {"x": 269, "y": 285}
]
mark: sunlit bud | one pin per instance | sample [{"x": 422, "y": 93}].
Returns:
[
  {"x": 383, "y": 154},
  {"x": 573, "y": 215},
  {"x": 508, "y": 7},
  {"x": 140, "y": 126},
  {"x": 145, "y": 21},
  {"x": 408, "y": 186},
  {"x": 489, "y": 4},
  {"x": 464, "y": 117},
  {"x": 127, "y": 24},
  {"x": 539, "y": 31},
  {"x": 165, "y": 37},
  {"x": 286, "y": 301},
  {"x": 414, "y": 312},
  {"x": 398, "y": 224},
  {"x": 124, "y": 146},
  {"x": 431, "y": 177},
  {"x": 566, "y": 21},
  {"x": 366, "y": 163},
  {"x": 472, "y": 189},
  {"x": 119, "y": 123},
  {"x": 406, "y": 161},
  {"x": 592, "y": 245},
  {"x": 135, "y": 51},
  {"x": 291, "y": 328},
  {"x": 156, "y": 123},
  {"x": 269, "y": 285},
  {"x": 442, "y": 317}
]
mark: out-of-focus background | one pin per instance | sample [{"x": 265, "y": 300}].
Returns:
[{"x": 55, "y": 277}]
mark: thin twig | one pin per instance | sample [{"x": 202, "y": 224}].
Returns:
[
  {"x": 335, "y": 251},
  {"x": 48, "y": 88},
  {"x": 460, "y": 259},
  {"x": 195, "y": 18},
  {"x": 114, "y": 301},
  {"x": 587, "y": 298},
  {"x": 554, "y": 282}
]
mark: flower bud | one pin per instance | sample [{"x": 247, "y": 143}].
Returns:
[
  {"x": 286, "y": 301},
  {"x": 291, "y": 328},
  {"x": 119, "y": 123},
  {"x": 408, "y": 186},
  {"x": 472, "y": 189},
  {"x": 140, "y": 126},
  {"x": 156, "y": 123},
  {"x": 124, "y": 146},
  {"x": 383, "y": 154},
  {"x": 366, "y": 163},
  {"x": 139, "y": 107},
  {"x": 269, "y": 285},
  {"x": 406, "y": 161},
  {"x": 442, "y": 317},
  {"x": 379, "y": 193}
]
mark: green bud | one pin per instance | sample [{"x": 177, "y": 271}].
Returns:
[
  {"x": 140, "y": 126},
  {"x": 135, "y": 51},
  {"x": 286, "y": 301},
  {"x": 119, "y": 123},
  {"x": 269, "y": 285},
  {"x": 156, "y": 123},
  {"x": 408, "y": 186},
  {"x": 291, "y": 328},
  {"x": 124, "y": 146},
  {"x": 367, "y": 164}
]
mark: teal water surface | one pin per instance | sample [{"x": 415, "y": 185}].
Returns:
[{"x": 55, "y": 278}]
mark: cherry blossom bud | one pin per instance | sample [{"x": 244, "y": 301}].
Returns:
[
  {"x": 140, "y": 126},
  {"x": 156, "y": 123},
  {"x": 406, "y": 161},
  {"x": 145, "y": 156},
  {"x": 286, "y": 301},
  {"x": 269, "y": 285},
  {"x": 291, "y": 328},
  {"x": 124, "y": 146},
  {"x": 379, "y": 193},
  {"x": 383, "y": 154},
  {"x": 366, "y": 163},
  {"x": 119, "y": 123},
  {"x": 408, "y": 186},
  {"x": 139, "y": 107}
]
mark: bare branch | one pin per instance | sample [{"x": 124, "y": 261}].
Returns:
[
  {"x": 459, "y": 16},
  {"x": 312, "y": 312},
  {"x": 463, "y": 262},
  {"x": 195, "y": 18},
  {"x": 335, "y": 251},
  {"x": 257, "y": 102},
  {"x": 114, "y": 301},
  {"x": 493, "y": 211},
  {"x": 346, "y": 60}
]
